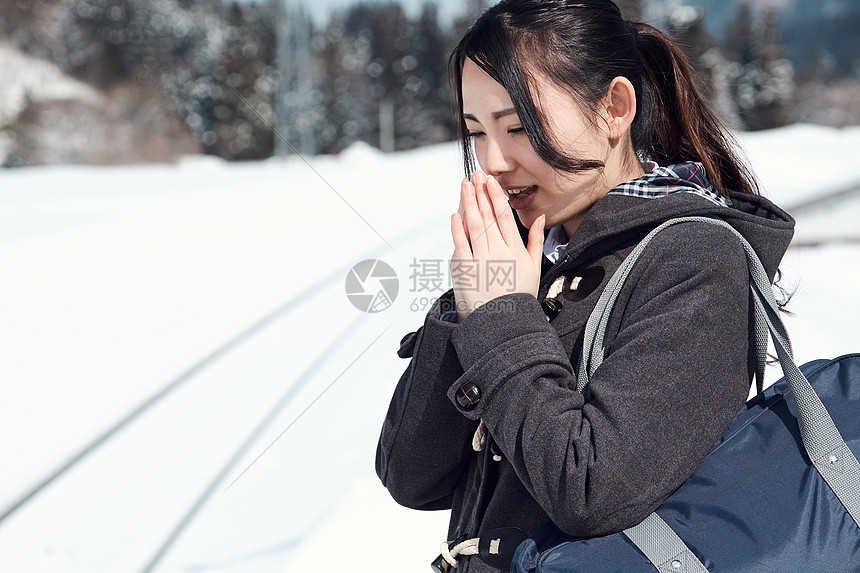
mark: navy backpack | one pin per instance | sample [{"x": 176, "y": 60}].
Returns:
[{"x": 779, "y": 492}]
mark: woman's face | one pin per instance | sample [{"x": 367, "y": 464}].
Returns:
[{"x": 503, "y": 150}]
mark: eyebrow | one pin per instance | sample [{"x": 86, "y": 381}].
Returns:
[{"x": 494, "y": 115}]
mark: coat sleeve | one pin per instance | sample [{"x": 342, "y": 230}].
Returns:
[
  {"x": 673, "y": 378},
  {"x": 425, "y": 443}
]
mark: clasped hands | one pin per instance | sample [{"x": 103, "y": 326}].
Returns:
[{"x": 485, "y": 235}]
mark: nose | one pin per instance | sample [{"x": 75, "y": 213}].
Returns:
[{"x": 497, "y": 159}]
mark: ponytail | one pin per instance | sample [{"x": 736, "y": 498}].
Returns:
[{"x": 674, "y": 122}]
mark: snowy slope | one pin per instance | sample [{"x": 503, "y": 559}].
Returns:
[
  {"x": 217, "y": 291},
  {"x": 799, "y": 163},
  {"x": 30, "y": 79},
  {"x": 27, "y": 79}
]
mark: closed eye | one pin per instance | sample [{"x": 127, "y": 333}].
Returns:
[
  {"x": 516, "y": 130},
  {"x": 474, "y": 134}
]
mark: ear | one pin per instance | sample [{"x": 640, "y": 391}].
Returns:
[{"x": 620, "y": 107}]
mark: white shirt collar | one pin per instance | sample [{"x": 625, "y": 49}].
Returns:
[{"x": 555, "y": 243}]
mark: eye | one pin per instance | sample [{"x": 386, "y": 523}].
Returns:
[
  {"x": 474, "y": 134},
  {"x": 516, "y": 131}
]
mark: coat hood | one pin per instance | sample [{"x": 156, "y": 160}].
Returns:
[{"x": 631, "y": 210}]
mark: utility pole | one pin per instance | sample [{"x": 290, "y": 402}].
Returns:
[
  {"x": 294, "y": 105},
  {"x": 386, "y": 125}
]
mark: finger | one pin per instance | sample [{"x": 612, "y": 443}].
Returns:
[
  {"x": 488, "y": 216},
  {"x": 460, "y": 204},
  {"x": 536, "y": 238},
  {"x": 462, "y": 253},
  {"x": 474, "y": 222},
  {"x": 504, "y": 214},
  {"x": 461, "y": 210},
  {"x": 462, "y": 249},
  {"x": 479, "y": 178}
]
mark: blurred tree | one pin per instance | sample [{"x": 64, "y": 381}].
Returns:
[
  {"x": 358, "y": 59},
  {"x": 204, "y": 56},
  {"x": 739, "y": 39},
  {"x": 373, "y": 74},
  {"x": 714, "y": 72},
  {"x": 763, "y": 78},
  {"x": 687, "y": 26},
  {"x": 334, "y": 85},
  {"x": 35, "y": 28},
  {"x": 393, "y": 83},
  {"x": 383, "y": 78},
  {"x": 434, "y": 119},
  {"x": 240, "y": 100}
]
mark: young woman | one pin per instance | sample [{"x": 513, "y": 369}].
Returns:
[{"x": 589, "y": 131}]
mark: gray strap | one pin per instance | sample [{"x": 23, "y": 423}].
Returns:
[
  {"x": 598, "y": 322},
  {"x": 824, "y": 444},
  {"x": 663, "y": 548},
  {"x": 828, "y": 452},
  {"x": 761, "y": 337}
]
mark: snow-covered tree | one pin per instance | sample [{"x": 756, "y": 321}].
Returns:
[
  {"x": 230, "y": 72},
  {"x": 433, "y": 121},
  {"x": 383, "y": 78}
]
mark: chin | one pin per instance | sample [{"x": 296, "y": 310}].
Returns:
[{"x": 527, "y": 219}]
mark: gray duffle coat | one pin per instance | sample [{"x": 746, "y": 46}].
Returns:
[{"x": 677, "y": 369}]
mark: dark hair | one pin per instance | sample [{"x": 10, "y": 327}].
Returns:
[{"x": 581, "y": 47}]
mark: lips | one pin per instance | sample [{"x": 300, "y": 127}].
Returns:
[{"x": 520, "y": 197}]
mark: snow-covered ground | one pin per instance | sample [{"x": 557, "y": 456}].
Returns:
[{"x": 184, "y": 329}]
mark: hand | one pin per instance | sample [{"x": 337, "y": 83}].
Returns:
[{"x": 489, "y": 258}]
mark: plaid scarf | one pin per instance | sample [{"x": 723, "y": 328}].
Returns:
[
  {"x": 681, "y": 178},
  {"x": 659, "y": 182}
]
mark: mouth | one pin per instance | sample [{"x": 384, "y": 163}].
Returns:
[
  {"x": 520, "y": 191},
  {"x": 520, "y": 197}
]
